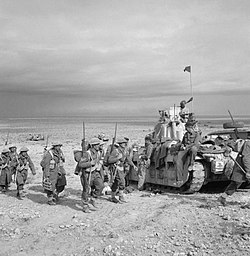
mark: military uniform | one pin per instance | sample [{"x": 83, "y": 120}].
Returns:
[
  {"x": 5, "y": 170},
  {"x": 238, "y": 175},
  {"x": 189, "y": 146},
  {"x": 144, "y": 162},
  {"x": 24, "y": 164},
  {"x": 54, "y": 172},
  {"x": 184, "y": 112},
  {"x": 89, "y": 172},
  {"x": 116, "y": 161},
  {"x": 13, "y": 161}
]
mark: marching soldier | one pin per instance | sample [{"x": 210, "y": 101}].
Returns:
[
  {"x": 5, "y": 171},
  {"x": 24, "y": 164},
  {"x": 13, "y": 161},
  {"x": 87, "y": 169},
  {"x": 116, "y": 160},
  {"x": 95, "y": 175},
  {"x": 54, "y": 172}
]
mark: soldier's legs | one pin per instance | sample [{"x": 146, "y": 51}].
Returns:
[
  {"x": 141, "y": 177},
  {"x": 121, "y": 185},
  {"x": 193, "y": 152},
  {"x": 97, "y": 184},
  {"x": 230, "y": 190},
  {"x": 179, "y": 164}
]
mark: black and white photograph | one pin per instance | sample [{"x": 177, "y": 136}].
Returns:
[{"x": 124, "y": 127}]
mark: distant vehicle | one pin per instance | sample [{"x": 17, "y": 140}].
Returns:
[
  {"x": 35, "y": 137},
  {"x": 214, "y": 160}
]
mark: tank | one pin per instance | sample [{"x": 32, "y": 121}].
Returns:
[{"x": 214, "y": 160}]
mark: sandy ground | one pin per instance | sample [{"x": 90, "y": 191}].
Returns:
[{"x": 149, "y": 224}]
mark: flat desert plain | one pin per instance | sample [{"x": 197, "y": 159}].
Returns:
[{"x": 148, "y": 224}]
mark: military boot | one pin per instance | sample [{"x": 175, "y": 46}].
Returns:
[
  {"x": 92, "y": 202},
  {"x": 121, "y": 197},
  {"x": 51, "y": 201},
  {"x": 222, "y": 200},
  {"x": 20, "y": 194},
  {"x": 85, "y": 207},
  {"x": 113, "y": 198}
]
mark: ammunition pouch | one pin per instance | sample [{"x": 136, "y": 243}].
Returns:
[{"x": 47, "y": 184}]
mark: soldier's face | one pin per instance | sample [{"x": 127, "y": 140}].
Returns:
[
  {"x": 123, "y": 145},
  {"x": 96, "y": 147}
]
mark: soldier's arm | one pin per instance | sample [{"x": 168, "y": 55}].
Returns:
[{"x": 85, "y": 161}]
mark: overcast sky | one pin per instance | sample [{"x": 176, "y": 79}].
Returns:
[{"x": 126, "y": 57}]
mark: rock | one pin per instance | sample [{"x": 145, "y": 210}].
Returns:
[
  {"x": 91, "y": 249},
  {"x": 17, "y": 231},
  {"x": 107, "y": 249}
]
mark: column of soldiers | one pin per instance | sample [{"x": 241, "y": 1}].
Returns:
[
  {"x": 14, "y": 168},
  {"x": 97, "y": 164}
]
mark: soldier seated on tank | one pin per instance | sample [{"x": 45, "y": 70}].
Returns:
[{"x": 188, "y": 147}]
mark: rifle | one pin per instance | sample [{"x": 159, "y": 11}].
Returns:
[
  {"x": 189, "y": 100},
  {"x": 238, "y": 164},
  {"x": 83, "y": 138},
  {"x": 113, "y": 141},
  {"x": 235, "y": 129},
  {"x": 111, "y": 150},
  {"x": 47, "y": 142},
  {"x": 7, "y": 139}
]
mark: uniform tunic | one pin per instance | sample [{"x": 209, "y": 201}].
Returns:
[
  {"x": 5, "y": 177},
  {"x": 24, "y": 164},
  {"x": 190, "y": 141}
]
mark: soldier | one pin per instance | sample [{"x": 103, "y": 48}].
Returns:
[
  {"x": 89, "y": 175},
  {"x": 241, "y": 169},
  {"x": 144, "y": 162},
  {"x": 189, "y": 146},
  {"x": 24, "y": 163},
  {"x": 54, "y": 172},
  {"x": 116, "y": 159},
  {"x": 13, "y": 161},
  {"x": 5, "y": 171},
  {"x": 126, "y": 163},
  {"x": 95, "y": 175},
  {"x": 184, "y": 112}
]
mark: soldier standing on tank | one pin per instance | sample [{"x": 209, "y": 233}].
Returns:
[
  {"x": 5, "y": 170},
  {"x": 54, "y": 172},
  {"x": 184, "y": 112},
  {"x": 241, "y": 169},
  {"x": 13, "y": 161},
  {"x": 24, "y": 164},
  {"x": 188, "y": 147},
  {"x": 116, "y": 160}
]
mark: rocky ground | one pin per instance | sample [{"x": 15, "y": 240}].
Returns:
[{"x": 150, "y": 223}]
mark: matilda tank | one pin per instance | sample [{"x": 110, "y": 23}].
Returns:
[{"x": 214, "y": 160}]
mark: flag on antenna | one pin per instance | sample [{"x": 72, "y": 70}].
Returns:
[{"x": 188, "y": 69}]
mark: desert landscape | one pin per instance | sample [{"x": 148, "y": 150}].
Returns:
[{"x": 151, "y": 223}]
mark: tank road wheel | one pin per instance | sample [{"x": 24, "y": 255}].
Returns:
[{"x": 196, "y": 178}]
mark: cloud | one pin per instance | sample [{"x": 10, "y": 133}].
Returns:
[{"x": 115, "y": 52}]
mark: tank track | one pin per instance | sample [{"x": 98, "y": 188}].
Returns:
[{"x": 197, "y": 177}]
